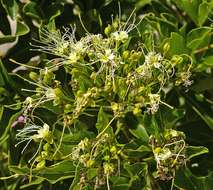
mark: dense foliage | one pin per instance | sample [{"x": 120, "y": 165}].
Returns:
[{"x": 106, "y": 95}]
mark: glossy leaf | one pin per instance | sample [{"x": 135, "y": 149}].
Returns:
[
  {"x": 204, "y": 10},
  {"x": 60, "y": 171},
  {"x": 103, "y": 120},
  {"x": 193, "y": 151},
  {"x": 140, "y": 133},
  {"x": 11, "y": 7},
  {"x": 21, "y": 29},
  {"x": 177, "y": 44},
  {"x": 31, "y": 9},
  {"x": 198, "y": 37}
]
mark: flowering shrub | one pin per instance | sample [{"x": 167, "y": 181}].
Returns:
[{"x": 113, "y": 108}]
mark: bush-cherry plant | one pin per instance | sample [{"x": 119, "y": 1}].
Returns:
[{"x": 111, "y": 125}]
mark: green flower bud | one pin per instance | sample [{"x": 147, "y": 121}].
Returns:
[
  {"x": 108, "y": 168},
  {"x": 90, "y": 163},
  {"x": 176, "y": 59},
  {"x": 48, "y": 77},
  {"x": 136, "y": 111},
  {"x": 44, "y": 154},
  {"x": 114, "y": 106},
  {"x": 34, "y": 76},
  {"x": 41, "y": 165},
  {"x": 38, "y": 159},
  {"x": 125, "y": 54},
  {"x": 157, "y": 150},
  {"x": 108, "y": 30},
  {"x": 107, "y": 158},
  {"x": 113, "y": 149},
  {"x": 166, "y": 47},
  {"x": 58, "y": 92},
  {"x": 115, "y": 24},
  {"x": 68, "y": 108},
  {"x": 47, "y": 147}
]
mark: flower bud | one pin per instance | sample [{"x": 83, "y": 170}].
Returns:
[
  {"x": 90, "y": 163},
  {"x": 41, "y": 165},
  {"x": 58, "y": 92},
  {"x": 46, "y": 147},
  {"x": 34, "y": 76},
  {"x": 107, "y": 30},
  {"x": 176, "y": 59},
  {"x": 125, "y": 55},
  {"x": 166, "y": 47},
  {"x": 113, "y": 149}
]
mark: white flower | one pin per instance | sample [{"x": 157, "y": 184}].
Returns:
[
  {"x": 108, "y": 56},
  {"x": 121, "y": 36},
  {"x": 154, "y": 59},
  {"x": 50, "y": 94},
  {"x": 61, "y": 48},
  {"x": 73, "y": 57},
  {"x": 79, "y": 47},
  {"x": 83, "y": 144},
  {"x": 29, "y": 100},
  {"x": 42, "y": 133},
  {"x": 154, "y": 101},
  {"x": 36, "y": 133},
  {"x": 75, "y": 153},
  {"x": 185, "y": 77}
]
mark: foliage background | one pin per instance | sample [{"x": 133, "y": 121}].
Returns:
[{"x": 185, "y": 25}]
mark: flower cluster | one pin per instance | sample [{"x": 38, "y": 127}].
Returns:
[
  {"x": 119, "y": 71},
  {"x": 103, "y": 72},
  {"x": 101, "y": 154},
  {"x": 169, "y": 153}
]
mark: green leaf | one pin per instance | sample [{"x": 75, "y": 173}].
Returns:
[
  {"x": 2, "y": 83},
  {"x": 151, "y": 125},
  {"x": 208, "y": 61},
  {"x": 37, "y": 181},
  {"x": 186, "y": 180},
  {"x": 140, "y": 152},
  {"x": 31, "y": 9},
  {"x": 11, "y": 7},
  {"x": 4, "y": 74},
  {"x": 91, "y": 173},
  {"x": 77, "y": 136},
  {"x": 177, "y": 44},
  {"x": 7, "y": 39},
  {"x": 190, "y": 7},
  {"x": 136, "y": 168},
  {"x": 209, "y": 182},
  {"x": 206, "y": 117},
  {"x": 205, "y": 63},
  {"x": 142, "y": 3},
  {"x": 57, "y": 172},
  {"x": 140, "y": 133},
  {"x": 50, "y": 106},
  {"x": 202, "y": 85},
  {"x": 52, "y": 11},
  {"x": 3, "y": 94},
  {"x": 204, "y": 10},
  {"x": 198, "y": 37},
  {"x": 103, "y": 120},
  {"x": 21, "y": 29},
  {"x": 1, "y": 111},
  {"x": 120, "y": 183},
  {"x": 192, "y": 151},
  {"x": 200, "y": 110},
  {"x": 8, "y": 127}
]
